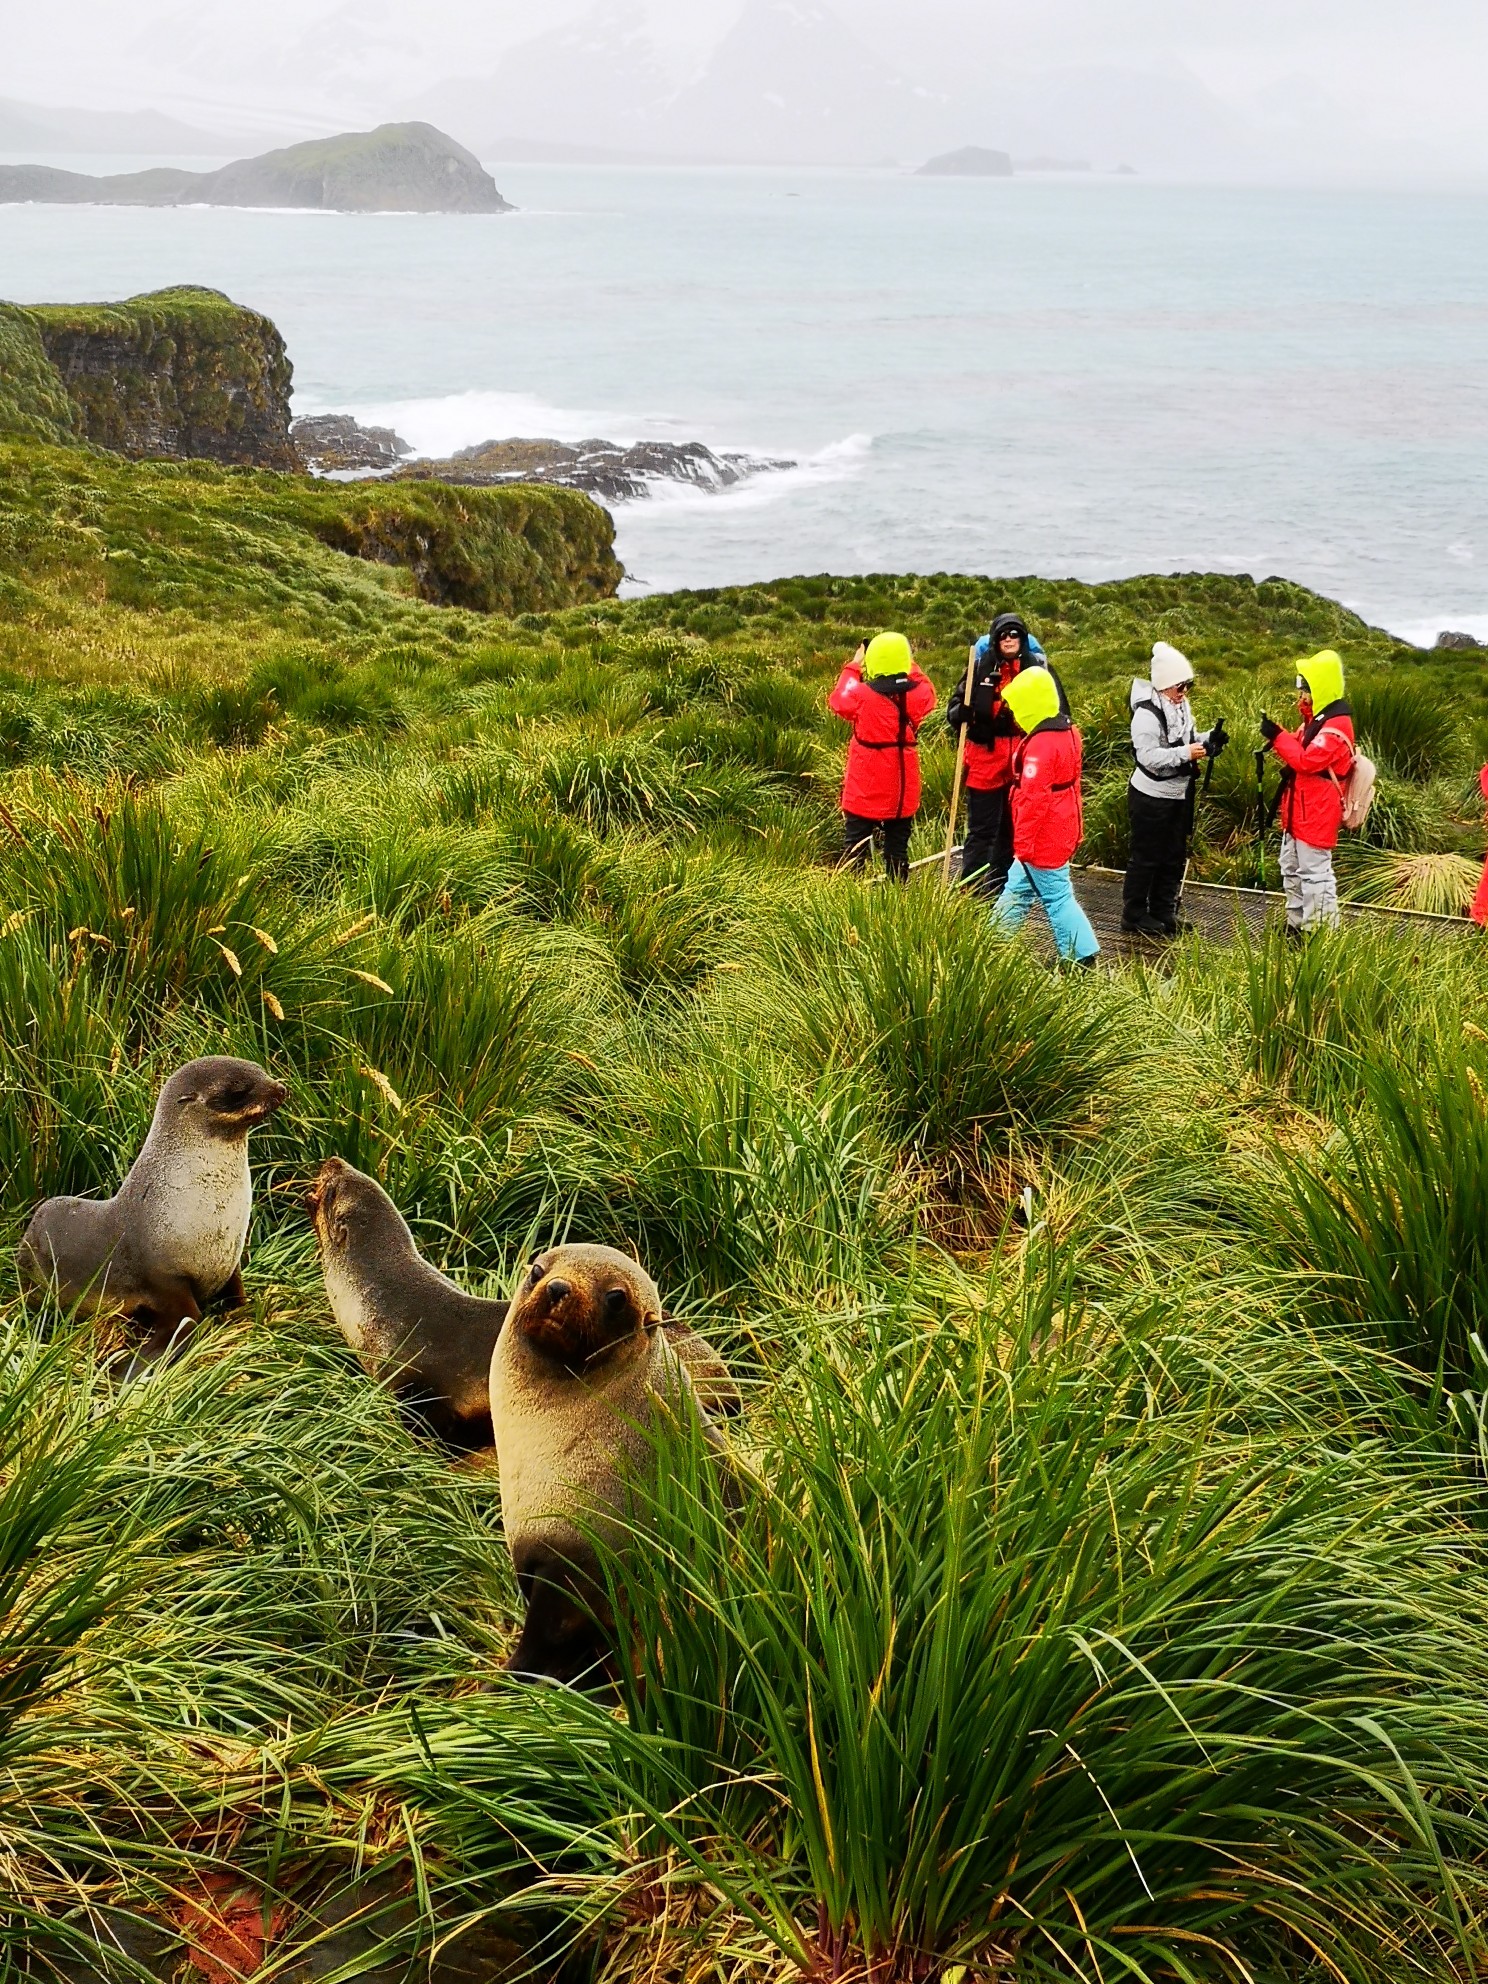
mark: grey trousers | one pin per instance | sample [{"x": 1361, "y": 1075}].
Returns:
[{"x": 1311, "y": 887}]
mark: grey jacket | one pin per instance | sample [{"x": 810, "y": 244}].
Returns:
[{"x": 1162, "y": 734}]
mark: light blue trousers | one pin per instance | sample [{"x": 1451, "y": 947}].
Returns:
[{"x": 1053, "y": 891}]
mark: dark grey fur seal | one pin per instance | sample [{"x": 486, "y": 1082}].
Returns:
[
  {"x": 170, "y": 1240},
  {"x": 578, "y": 1374},
  {"x": 410, "y": 1326}
]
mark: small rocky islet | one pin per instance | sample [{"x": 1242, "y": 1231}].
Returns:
[{"x": 616, "y": 472}]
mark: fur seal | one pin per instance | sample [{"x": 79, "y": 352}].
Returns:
[
  {"x": 171, "y": 1238},
  {"x": 577, "y": 1376},
  {"x": 409, "y": 1325}
]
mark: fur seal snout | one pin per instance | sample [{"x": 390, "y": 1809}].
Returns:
[
  {"x": 578, "y": 1376},
  {"x": 409, "y": 1325},
  {"x": 171, "y": 1238}
]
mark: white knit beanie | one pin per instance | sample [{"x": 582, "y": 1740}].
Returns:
[{"x": 1169, "y": 666}]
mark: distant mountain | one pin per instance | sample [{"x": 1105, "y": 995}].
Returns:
[
  {"x": 788, "y": 82},
  {"x": 791, "y": 81},
  {"x": 597, "y": 83},
  {"x": 1164, "y": 120},
  {"x": 35, "y": 127},
  {"x": 398, "y": 168}
]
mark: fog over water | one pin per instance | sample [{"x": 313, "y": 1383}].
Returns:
[{"x": 1093, "y": 378}]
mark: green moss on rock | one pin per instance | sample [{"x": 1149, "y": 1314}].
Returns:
[
  {"x": 230, "y": 544},
  {"x": 178, "y": 372},
  {"x": 34, "y": 403}
]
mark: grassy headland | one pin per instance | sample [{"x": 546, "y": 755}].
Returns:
[{"x": 1109, "y": 1600}]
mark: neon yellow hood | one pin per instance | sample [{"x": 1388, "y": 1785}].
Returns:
[
  {"x": 888, "y": 654},
  {"x": 1032, "y": 698},
  {"x": 1323, "y": 674}
]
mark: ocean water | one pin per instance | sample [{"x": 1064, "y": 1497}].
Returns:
[{"x": 1079, "y": 377}]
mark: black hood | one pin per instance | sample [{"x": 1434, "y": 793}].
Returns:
[
  {"x": 889, "y": 685},
  {"x": 1010, "y": 623}
]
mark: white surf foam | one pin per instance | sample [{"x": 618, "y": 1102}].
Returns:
[
  {"x": 441, "y": 427},
  {"x": 840, "y": 461}
]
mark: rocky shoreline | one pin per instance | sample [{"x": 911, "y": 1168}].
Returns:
[{"x": 334, "y": 444}]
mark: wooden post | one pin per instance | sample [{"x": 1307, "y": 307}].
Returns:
[{"x": 950, "y": 846}]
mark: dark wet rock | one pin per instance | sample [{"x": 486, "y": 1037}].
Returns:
[
  {"x": 971, "y": 162},
  {"x": 1458, "y": 641},
  {"x": 601, "y": 468},
  {"x": 335, "y": 444}
]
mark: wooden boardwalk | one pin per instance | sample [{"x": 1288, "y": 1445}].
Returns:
[{"x": 1216, "y": 911}]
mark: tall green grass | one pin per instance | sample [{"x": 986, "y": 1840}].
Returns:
[
  {"x": 1118, "y": 1619},
  {"x": 1390, "y": 1216},
  {"x": 964, "y": 1035},
  {"x": 1026, "y": 1653}
]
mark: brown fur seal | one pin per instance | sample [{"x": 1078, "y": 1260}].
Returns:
[
  {"x": 576, "y": 1379},
  {"x": 171, "y": 1238},
  {"x": 409, "y": 1325}
]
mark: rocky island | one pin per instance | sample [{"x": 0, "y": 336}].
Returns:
[
  {"x": 971, "y": 162},
  {"x": 398, "y": 168}
]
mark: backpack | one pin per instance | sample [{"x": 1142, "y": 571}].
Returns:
[{"x": 1357, "y": 790}]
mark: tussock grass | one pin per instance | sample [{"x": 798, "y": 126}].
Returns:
[
  {"x": 1106, "y": 1596},
  {"x": 1391, "y": 1217},
  {"x": 964, "y": 1035},
  {"x": 928, "y": 1700}
]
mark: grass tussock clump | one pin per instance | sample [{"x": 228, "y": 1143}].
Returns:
[
  {"x": 1027, "y": 1653},
  {"x": 964, "y": 1035},
  {"x": 1117, "y": 1618},
  {"x": 1391, "y": 1218}
]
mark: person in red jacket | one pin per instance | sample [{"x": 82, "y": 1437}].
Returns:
[
  {"x": 1048, "y": 819},
  {"x": 991, "y": 736},
  {"x": 1317, "y": 758},
  {"x": 885, "y": 698},
  {"x": 1479, "y": 910}
]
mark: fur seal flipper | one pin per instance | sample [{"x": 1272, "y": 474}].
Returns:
[
  {"x": 409, "y": 1325},
  {"x": 578, "y": 1375},
  {"x": 170, "y": 1240}
]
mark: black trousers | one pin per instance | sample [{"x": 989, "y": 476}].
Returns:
[
  {"x": 988, "y": 854},
  {"x": 1156, "y": 858},
  {"x": 857, "y": 843}
]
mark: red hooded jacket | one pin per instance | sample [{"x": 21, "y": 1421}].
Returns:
[
  {"x": 1048, "y": 818},
  {"x": 883, "y": 765},
  {"x": 1320, "y": 755},
  {"x": 1480, "y": 900}
]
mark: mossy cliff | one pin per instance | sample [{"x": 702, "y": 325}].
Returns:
[
  {"x": 34, "y": 403},
  {"x": 179, "y": 372},
  {"x": 194, "y": 390}
]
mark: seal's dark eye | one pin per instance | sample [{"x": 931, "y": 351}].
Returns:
[
  {"x": 536, "y": 1271},
  {"x": 617, "y": 1301},
  {"x": 229, "y": 1099}
]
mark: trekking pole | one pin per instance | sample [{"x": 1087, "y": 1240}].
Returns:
[
  {"x": 950, "y": 846},
  {"x": 1260, "y": 765}
]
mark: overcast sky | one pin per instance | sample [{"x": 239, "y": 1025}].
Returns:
[{"x": 1414, "y": 67}]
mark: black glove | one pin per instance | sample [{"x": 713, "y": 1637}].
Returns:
[
  {"x": 1217, "y": 739},
  {"x": 1269, "y": 730}
]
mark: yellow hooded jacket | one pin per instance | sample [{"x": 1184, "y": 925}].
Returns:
[
  {"x": 1033, "y": 697},
  {"x": 1323, "y": 674}
]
